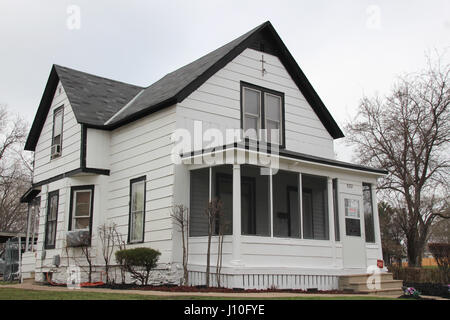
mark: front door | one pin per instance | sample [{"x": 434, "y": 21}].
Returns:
[{"x": 353, "y": 242}]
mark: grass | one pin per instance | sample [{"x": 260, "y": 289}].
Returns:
[
  {"x": 8, "y": 282},
  {"x": 26, "y": 294}
]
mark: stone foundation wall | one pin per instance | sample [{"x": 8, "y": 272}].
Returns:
[{"x": 167, "y": 274}]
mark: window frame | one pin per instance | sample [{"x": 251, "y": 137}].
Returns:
[
  {"x": 133, "y": 181},
  {"x": 263, "y": 91},
  {"x": 73, "y": 190},
  {"x": 49, "y": 197},
  {"x": 259, "y": 117},
  {"x": 266, "y": 118},
  {"x": 55, "y": 112}
]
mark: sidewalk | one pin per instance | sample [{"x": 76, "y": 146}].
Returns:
[{"x": 237, "y": 295}]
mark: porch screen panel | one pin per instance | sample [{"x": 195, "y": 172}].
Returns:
[
  {"x": 286, "y": 215},
  {"x": 336, "y": 210},
  {"x": 368, "y": 213},
  {"x": 255, "y": 218},
  {"x": 222, "y": 188},
  {"x": 315, "y": 207},
  {"x": 198, "y": 223}
]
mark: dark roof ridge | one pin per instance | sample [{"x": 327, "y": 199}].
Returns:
[{"x": 96, "y": 76}]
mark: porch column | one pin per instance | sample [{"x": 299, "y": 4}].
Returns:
[
  {"x": 236, "y": 255},
  {"x": 28, "y": 227},
  {"x": 331, "y": 218}
]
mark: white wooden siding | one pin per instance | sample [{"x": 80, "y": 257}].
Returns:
[
  {"x": 45, "y": 168},
  {"x": 97, "y": 148},
  {"x": 217, "y": 103},
  {"x": 144, "y": 148}
]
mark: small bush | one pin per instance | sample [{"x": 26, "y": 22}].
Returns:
[{"x": 138, "y": 262}]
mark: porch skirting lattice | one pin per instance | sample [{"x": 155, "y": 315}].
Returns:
[{"x": 267, "y": 281}]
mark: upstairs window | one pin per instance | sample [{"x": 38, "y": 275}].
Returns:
[
  {"x": 57, "y": 132},
  {"x": 137, "y": 210},
  {"x": 262, "y": 113},
  {"x": 252, "y": 113}
]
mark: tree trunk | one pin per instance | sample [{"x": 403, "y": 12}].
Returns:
[
  {"x": 208, "y": 256},
  {"x": 415, "y": 251}
]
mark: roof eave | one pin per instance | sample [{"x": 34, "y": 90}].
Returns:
[{"x": 41, "y": 114}]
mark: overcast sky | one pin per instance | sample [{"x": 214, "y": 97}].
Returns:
[{"x": 347, "y": 49}]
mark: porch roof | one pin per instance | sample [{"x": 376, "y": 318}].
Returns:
[{"x": 289, "y": 155}]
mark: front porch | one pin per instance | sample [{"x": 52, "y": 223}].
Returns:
[{"x": 277, "y": 236}]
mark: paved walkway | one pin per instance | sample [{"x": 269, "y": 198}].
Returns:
[{"x": 237, "y": 295}]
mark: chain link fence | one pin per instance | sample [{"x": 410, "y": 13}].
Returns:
[{"x": 11, "y": 260}]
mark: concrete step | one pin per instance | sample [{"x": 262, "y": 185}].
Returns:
[
  {"x": 384, "y": 284},
  {"x": 29, "y": 281},
  {"x": 357, "y": 278}
]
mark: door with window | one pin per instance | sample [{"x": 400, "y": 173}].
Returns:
[{"x": 353, "y": 240}]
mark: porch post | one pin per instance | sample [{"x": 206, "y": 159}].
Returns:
[
  {"x": 236, "y": 255},
  {"x": 28, "y": 227},
  {"x": 331, "y": 217}
]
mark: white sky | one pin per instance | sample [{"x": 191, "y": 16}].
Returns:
[{"x": 346, "y": 48}]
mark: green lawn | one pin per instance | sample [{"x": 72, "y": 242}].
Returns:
[{"x": 23, "y": 294}]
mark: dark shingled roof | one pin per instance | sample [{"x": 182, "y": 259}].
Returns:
[
  {"x": 173, "y": 83},
  {"x": 94, "y": 99},
  {"x": 107, "y": 104}
]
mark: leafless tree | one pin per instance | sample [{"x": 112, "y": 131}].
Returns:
[
  {"x": 122, "y": 245},
  {"x": 180, "y": 216},
  {"x": 212, "y": 212},
  {"x": 87, "y": 253},
  {"x": 15, "y": 175},
  {"x": 222, "y": 227},
  {"x": 408, "y": 133},
  {"x": 391, "y": 234},
  {"x": 441, "y": 231},
  {"x": 107, "y": 234}
]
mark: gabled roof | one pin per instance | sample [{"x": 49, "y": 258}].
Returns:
[
  {"x": 93, "y": 99},
  {"x": 108, "y": 104}
]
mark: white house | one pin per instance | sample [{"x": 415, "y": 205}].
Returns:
[{"x": 111, "y": 152}]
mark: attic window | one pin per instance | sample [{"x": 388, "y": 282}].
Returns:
[{"x": 56, "y": 147}]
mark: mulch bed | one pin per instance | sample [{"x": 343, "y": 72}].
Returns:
[{"x": 176, "y": 288}]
